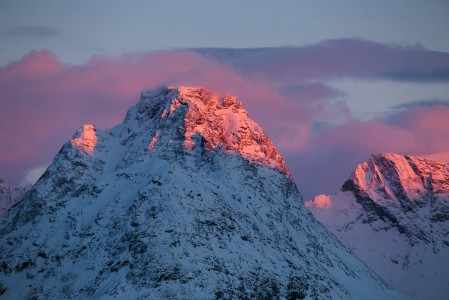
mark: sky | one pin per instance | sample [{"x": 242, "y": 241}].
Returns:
[{"x": 331, "y": 82}]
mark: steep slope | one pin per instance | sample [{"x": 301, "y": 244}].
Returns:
[
  {"x": 9, "y": 195},
  {"x": 393, "y": 212},
  {"x": 186, "y": 199}
]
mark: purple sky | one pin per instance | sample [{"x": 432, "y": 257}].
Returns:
[{"x": 327, "y": 105}]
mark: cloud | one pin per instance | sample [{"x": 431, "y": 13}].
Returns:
[
  {"x": 44, "y": 101},
  {"x": 33, "y": 31},
  {"x": 353, "y": 58},
  {"x": 332, "y": 154},
  {"x": 33, "y": 174},
  {"x": 422, "y": 103},
  {"x": 429, "y": 125},
  {"x": 309, "y": 92}
]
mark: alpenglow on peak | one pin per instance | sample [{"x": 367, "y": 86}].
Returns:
[{"x": 204, "y": 120}]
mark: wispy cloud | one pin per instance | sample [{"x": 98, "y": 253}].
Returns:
[
  {"x": 422, "y": 103},
  {"x": 353, "y": 58},
  {"x": 33, "y": 31},
  {"x": 33, "y": 174}
]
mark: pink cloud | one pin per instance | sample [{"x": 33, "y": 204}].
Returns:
[
  {"x": 32, "y": 67},
  {"x": 429, "y": 125},
  {"x": 44, "y": 101}
]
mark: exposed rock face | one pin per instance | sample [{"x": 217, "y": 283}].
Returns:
[
  {"x": 394, "y": 213},
  {"x": 186, "y": 199},
  {"x": 220, "y": 122}
]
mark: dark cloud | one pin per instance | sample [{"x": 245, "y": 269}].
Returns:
[
  {"x": 421, "y": 103},
  {"x": 352, "y": 58},
  {"x": 309, "y": 92},
  {"x": 33, "y": 31}
]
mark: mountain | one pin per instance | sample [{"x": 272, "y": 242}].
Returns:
[
  {"x": 186, "y": 199},
  {"x": 9, "y": 195},
  {"x": 439, "y": 156},
  {"x": 393, "y": 212}
]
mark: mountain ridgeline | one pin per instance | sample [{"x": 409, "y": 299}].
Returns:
[{"x": 186, "y": 199}]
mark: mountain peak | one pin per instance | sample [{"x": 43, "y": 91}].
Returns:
[
  {"x": 183, "y": 200},
  {"x": 393, "y": 212},
  {"x": 85, "y": 139},
  {"x": 392, "y": 177},
  {"x": 204, "y": 120}
]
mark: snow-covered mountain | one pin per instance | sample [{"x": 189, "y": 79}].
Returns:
[
  {"x": 186, "y": 199},
  {"x": 9, "y": 195},
  {"x": 393, "y": 212}
]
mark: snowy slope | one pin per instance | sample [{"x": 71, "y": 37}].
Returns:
[
  {"x": 9, "y": 195},
  {"x": 186, "y": 199},
  {"x": 393, "y": 213}
]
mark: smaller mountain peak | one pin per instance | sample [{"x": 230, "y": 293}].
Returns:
[
  {"x": 85, "y": 139},
  {"x": 400, "y": 204},
  {"x": 379, "y": 170},
  {"x": 321, "y": 201},
  {"x": 387, "y": 178}
]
